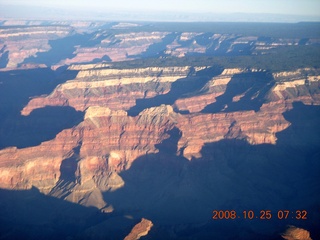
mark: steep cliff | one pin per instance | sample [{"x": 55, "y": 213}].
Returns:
[
  {"x": 86, "y": 158},
  {"x": 114, "y": 88},
  {"x": 294, "y": 233},
  {"x": 300, "y": 85},
  {"x": 139, "y": 230},
  {"x": 36, "y": 166},
  {"x": 169, "y": 143},
  {"x": 118, "y": 47},
  {"x": 214, "y": 88},
  {"x": 108, "y": 140},
  {"x": 25, "y": 42}
]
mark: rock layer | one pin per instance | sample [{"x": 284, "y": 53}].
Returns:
[
  {"x": 108, "y": 140},
  {"x": 113, "y": 88},
  {"x": 140, "y": 230},
  {"x": 294, "y": 233},
  {"x": 24, "y": 42}
]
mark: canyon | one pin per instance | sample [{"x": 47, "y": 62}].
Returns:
[{"x": 167, "y": 142}]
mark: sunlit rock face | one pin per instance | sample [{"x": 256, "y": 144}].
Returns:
[
  {"x": 167, "y": 143},
  {"x": 108, "y": 140},
  {"x": 113, "y": 88},
  {"x": 119, "y": 47},
  {"x": 139, "y": 230},
  {"x": 29, "y": 44},
  {"x": 294, "y": 233},
  {"x": 36, "y": 166},
  {"x": 24, "y": 42},
  {"x": 300, "y": 85}
]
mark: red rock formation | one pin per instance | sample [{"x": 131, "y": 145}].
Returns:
[
  {"x": 24, "y": 42},
  {"x": 255, "y": 127},
  {"x": 112, "y": 88},
  {"x": 214, "y": 88},
  {"x": 118, "y": 47},
  {"x": 109, "y": 140},
  {"x": 37, "y": 166},
  {"x": 300, "y": 85},
  {"x": 140, "y": 229},
  {"x": 294, "y": 233},
  {"x": 121, "y": 138}
]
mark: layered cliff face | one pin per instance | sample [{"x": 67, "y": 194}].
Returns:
[
  {"x": 140, "y": 230},
  {"x": 24, "y": 42},
  {"x": 168, "y": 143},
  {"x": 296, "y": 233},
  {"x": 108, "y": 140},
  {"x": 117, "y": 47},
  {"x": 36, "y": 166},
  {"x": 214, "y": 88},
  {"x": 300, "y": 85},
  {"x": 115, "y": 88}
]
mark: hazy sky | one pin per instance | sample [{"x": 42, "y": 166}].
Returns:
[
  {"x": 296, "y": 7},
  {"x": 164, "y": 10}
]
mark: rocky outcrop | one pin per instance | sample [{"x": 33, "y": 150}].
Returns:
[
  {"x": 300, "y": 85},
  {"x": 24, "y": 42},
  {"x": 112, "y": 88},
  {"x": 180, "y": 48},
  {"x": 111, "y": 140},
  {"x": 118, "y": 47},
  {"x": 107, "y": 141},
  {"x": 123, "y": 138},
  {"x": 213, "y": 89},
  {"x": 159, "y": 142},
  {"x": 36, "y": 166},
  {"x": 24, "y": 39},
  {"x": 141, "y": 229},
  {"x": 294, "y": 233},
  {"x": 255, "y": 127},
  {"x": 92, "y": 153}
]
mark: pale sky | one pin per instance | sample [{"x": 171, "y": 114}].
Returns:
[
  {"x": 295, "y": 7},
  {"x": 205, "y": 9}
]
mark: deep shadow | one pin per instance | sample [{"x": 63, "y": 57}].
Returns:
[
  {"x": 18, "y": 86},
  {"x": 29, "y": 214},
  {"x": 204, "y": 39},
  {"x": 69, "y": 166},
  {"x": 179, "y": 195},
  {"x": 105, "y": 58},
  {"x": 64, "y": 48},
  {"x": 193, "y": 83},
  {"x": 157, "y": 49},
  {"x": 219, "y": 48},
  {"x": 216, "y": 47},
  {"x": 253, "y": 85},
  {"x": 4, "y": 59},
  {"x": 41, "y": 125},
  {"x": 303, "y": 41},
  {"x": 16, "y": 89},
  {"x": 228, "y": 48}
]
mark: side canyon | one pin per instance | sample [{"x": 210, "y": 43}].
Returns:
[{"x": 166, "y": 143}]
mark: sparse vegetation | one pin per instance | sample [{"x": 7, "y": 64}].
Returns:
[
  {"x": 273, "y": 30},
  {"x": 280, "y": 59}
]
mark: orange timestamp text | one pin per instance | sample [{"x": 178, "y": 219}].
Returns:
[{"x": 262, "y": 214}]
